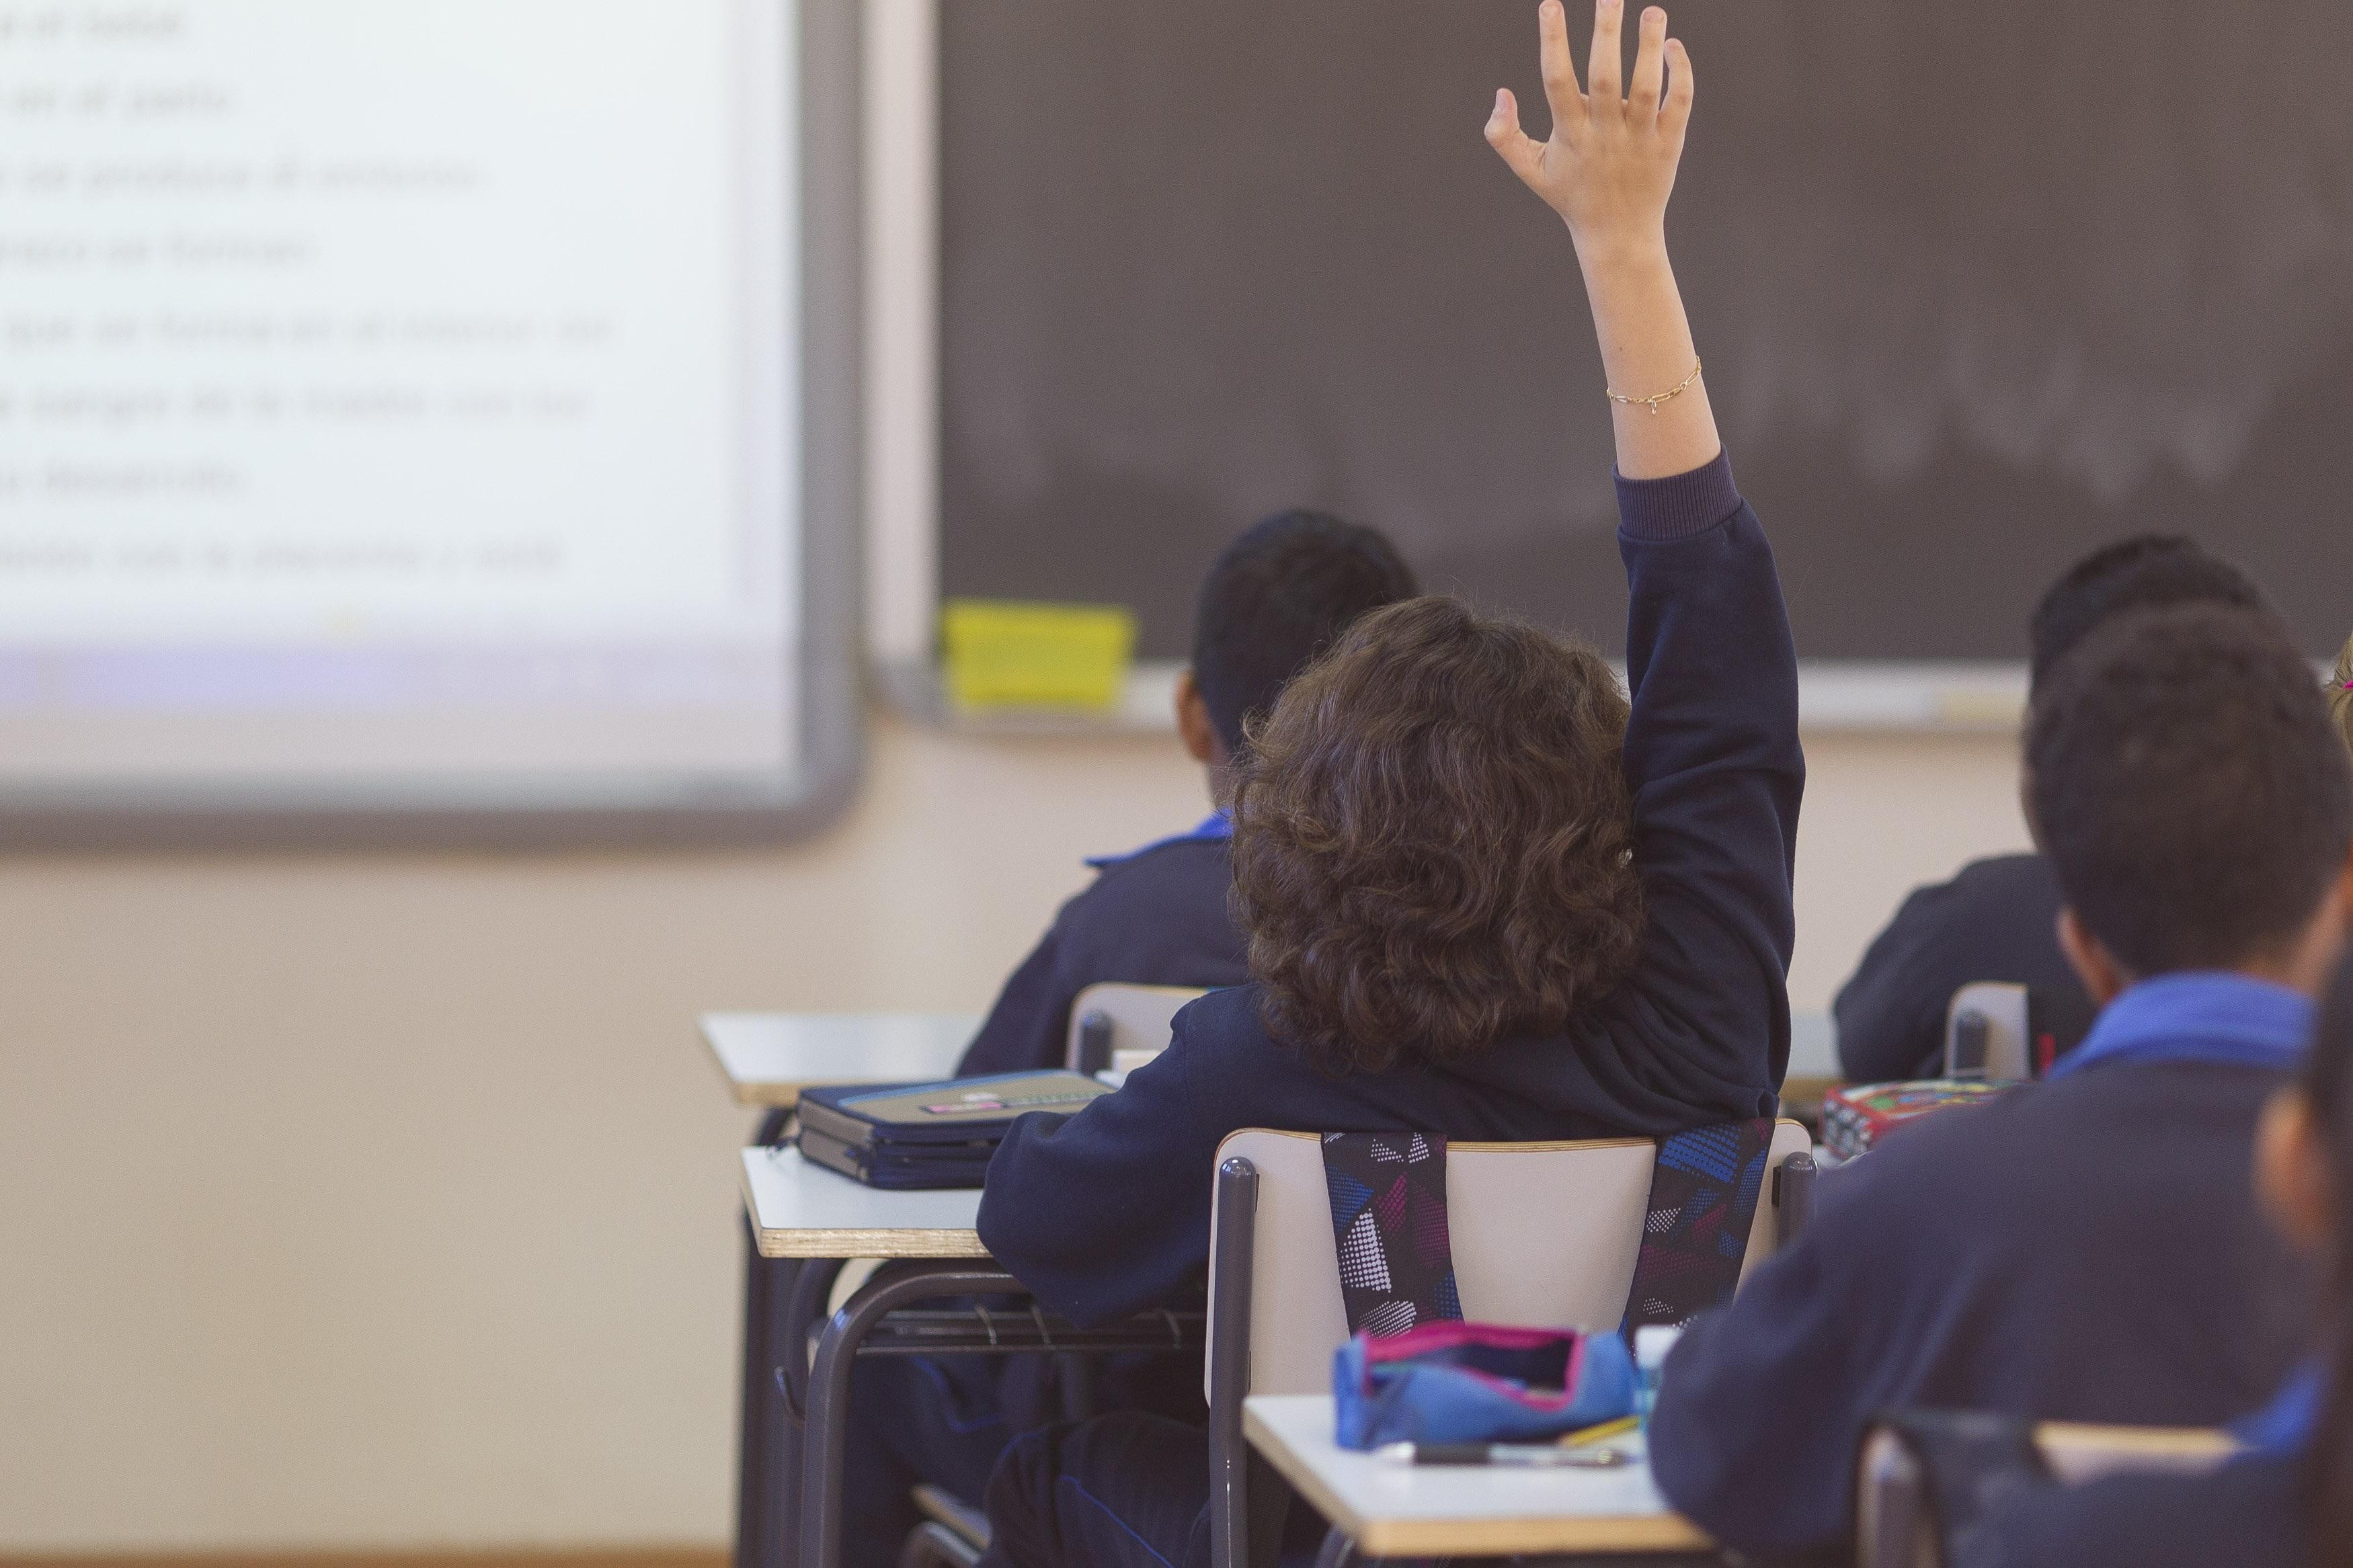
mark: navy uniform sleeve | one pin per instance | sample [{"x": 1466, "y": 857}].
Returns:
[
  {"x": 1698, "y": 1030},
  {"x": 1107, "y": 1212},
  {"x": 1891, "y": 1012},
  {"x": 1029, "y": 1027},
  {"x": 1714, "y": 760},
  {"x": 1994, "y": 920},
  {"x": 1763, "y": 1401}
]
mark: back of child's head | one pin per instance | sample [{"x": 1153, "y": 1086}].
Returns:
[
  {"x": 2144, "y": 571},
  {"x": 2340, "y": 693},
  {"x": 2189, "y": 788},
  {"x": 1433, "y": 839},
  {"x": 1276, "y": 597}
]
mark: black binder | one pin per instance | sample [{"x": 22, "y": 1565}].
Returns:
[{"x": 911, "y": 1135}]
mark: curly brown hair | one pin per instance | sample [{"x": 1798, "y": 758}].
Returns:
[{"x": 1433, "y": 839}]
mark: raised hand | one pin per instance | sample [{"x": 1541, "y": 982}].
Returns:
[
  {"x": 1608, "y": 170},
  {"x": 1611, "y": 163}
]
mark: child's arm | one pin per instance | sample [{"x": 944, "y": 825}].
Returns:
[
  {"x": 1699, "y": 1030},
  {"x": 1107, "y": 1212},
  {"x": 1608, "y": 171}
]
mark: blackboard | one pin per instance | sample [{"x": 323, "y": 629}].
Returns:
[{"x": 1980, "y": 286}]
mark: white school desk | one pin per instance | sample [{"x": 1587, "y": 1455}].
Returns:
[
  {"x": 1461, "y": 1511},
  {"x": 769, "y": 1058},
  {"x": 800, "y": 1209}
]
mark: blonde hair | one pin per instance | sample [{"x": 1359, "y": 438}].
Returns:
[{"x": 2340, "y": 692}]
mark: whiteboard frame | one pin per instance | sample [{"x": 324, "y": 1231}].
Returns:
[{"x": 832, "y": 703}]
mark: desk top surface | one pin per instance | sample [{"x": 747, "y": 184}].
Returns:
[
  {"x": 799, "y": 1209},
  {"x": 1407, "y": 1511},
  {"x": 769, "y": 1058}
]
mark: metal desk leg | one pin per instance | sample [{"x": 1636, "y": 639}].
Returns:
[
  {"x": 763, "y": 1535},
  {"x": 826, "y": 1430},
  {"x": 796, "y": 1306},
  {"x": 767, "y": 1281}
]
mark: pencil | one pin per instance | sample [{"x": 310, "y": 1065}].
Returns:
[{"x": 1624, "y": 1423}]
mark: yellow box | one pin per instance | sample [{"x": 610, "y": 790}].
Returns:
[{"x": 1009, "y": 653}]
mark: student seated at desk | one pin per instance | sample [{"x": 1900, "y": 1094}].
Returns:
[
  {"x": 1484, "y": 898},
  {"x": 2288, "y": 1501},
  {"x": 1278, "y": 596},
  {"x": 2086, "y": 1248},
  {"x": 1996, "y": 919}
]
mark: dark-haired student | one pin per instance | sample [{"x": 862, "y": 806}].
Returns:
[
  {"x": 1278, "y": 596},
  {"x": 1996, "y": 919},
  {"x": 2086, "y": 1248},
  {"x": 1484, "y": 898},
  {"x": 1275, "y": 598},
  {"x": 2286, "y": 1501}
]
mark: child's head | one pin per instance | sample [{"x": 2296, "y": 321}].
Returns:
[
  {"x": 2340, "y": 693},
  {"x": 2183, "y": 776},
  {"x": 2304, "y": 1167},
  {"x": 1433, "y": 838},
  {"x": 2141, "y": 572},
  {"x": 1279, "y": 596}
]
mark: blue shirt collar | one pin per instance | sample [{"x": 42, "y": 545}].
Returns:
[
  {"x": 1216, "y": 826},
  {"x": 2197, "y": 1016},
  {"x": 2285, "y": 1425}
]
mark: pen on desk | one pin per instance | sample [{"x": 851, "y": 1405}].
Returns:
[
  {"x": 1528, "y": 1455},
  {"x": 1585, "y": 1435}
]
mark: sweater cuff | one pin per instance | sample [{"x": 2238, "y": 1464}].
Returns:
[{"x": 1679, "y": 506}]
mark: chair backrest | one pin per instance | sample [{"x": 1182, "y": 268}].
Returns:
[
  {"x": 2078, "y": 1453},
  {"x": 1543, "y": 1234},
  {"x": 1897, "y": 1528},
  {"x": 1115, "y": 1016},
  {"x": 2003, "y": 1011}
]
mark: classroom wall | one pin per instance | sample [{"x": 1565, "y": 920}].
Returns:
[{"x": 388, "y": 1200}]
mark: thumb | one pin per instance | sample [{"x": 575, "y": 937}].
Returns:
[{"x": 1512, "y": 143}]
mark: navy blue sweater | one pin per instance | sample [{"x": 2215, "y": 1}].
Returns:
[
  {"x": 1108, "y": 1211},
  {"x": 1996, "y": 921},
  {"x": 2251, "y": 1512},
  {"x": 1155, "y": 918},
  {"x": 2084, "y": 1250}
]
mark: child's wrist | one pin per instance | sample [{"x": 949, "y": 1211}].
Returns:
[{"x": 1626, "y": 255}]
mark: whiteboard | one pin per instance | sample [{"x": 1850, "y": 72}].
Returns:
[{"x": 425, "y": 418}]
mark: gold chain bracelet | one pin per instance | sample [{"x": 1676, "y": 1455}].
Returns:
[{"x": 1652, "y": 402}]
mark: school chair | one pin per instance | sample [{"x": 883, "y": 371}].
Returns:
[
  {"x": 1994, "y": 1029},
  {"x": 1986, "y": 1031},
  {"x": 1920, "y": 1471},
  {"x": 1112, "y": 1016},
  {"x": 953, "y": 1534},
  {"x": 1541, "y": 1233}
]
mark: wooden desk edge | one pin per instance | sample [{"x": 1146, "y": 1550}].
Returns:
[
  {"x": 847, "y": 1243},
  {"x": 885, "y": 1244},
  {"x": 1499, "y": 1536}
]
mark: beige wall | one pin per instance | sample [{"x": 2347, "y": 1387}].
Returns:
[{"x": 388, "y": 1200}]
